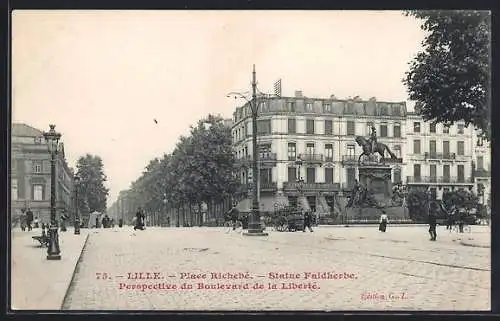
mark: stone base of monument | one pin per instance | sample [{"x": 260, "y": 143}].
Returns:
[{"x": 377, "y": 180}]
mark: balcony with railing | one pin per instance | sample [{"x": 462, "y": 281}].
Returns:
[
  {"x": 265, "y": 159},
  {"x": 310, "y": 187},
  {"x": 440, "y": 156},
  {"x": 438, "y": 180},
  {"x": 481, "y": 172},
  {"x": 312, "y": 158},
  {"x": 347, "y": 186},
  {"x": 349, "y": 159},
  {"x": 268, "y": 187}
]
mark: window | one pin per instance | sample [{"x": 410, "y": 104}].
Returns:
[
  {"x": 350, "y": 150},
  {"x": 397, "y": 150},
  {"x": 446, "y": 129},
  {"x": 38, "y": 140},
  {"x": 309, "y": 126},
  {"x": 311, "y": 175},
  {"x": 328, "y": 127},
  {"x": 416, "y": 146},
  {"x": 383, "y": 110},
  {"x": 37, "y": 167},
  {"x": 264, "y": 151},
  {"x": 446, "y": 170},
  {"x": 350, "y": 128},
  {"x": 460, "y": 173},
  {"x": 433, "y": 193},
  {"x": 396, "y": 110},
  {"x": 416, "y": 170},
  {"x": 266, "y": 176},
  {"x": 14, "y": 192},
  {"x": 350, "y": 108},
  {"x": 264, "y": 126},
  {"x": 432, "y": 148},
  {"x": 460, "y": 128},
  {"x": 396, "y": 175},
  {"x": 397, "y": 130},
  {"x": 310, "y": 148},
  {"x": 329, "y": 175},
  {"x": 292, "y": 126},
  {"x": 246, "y": 150},
  {"x": 480, "y": 141},
  {"x": 383, "y": 130},
  {"x": 291, "y": 106},
  {"x": 292, "y": 151},
  {"x": 327, "y": 108},
  {"x": 329, "y": 152},
  {"x": 446, "y": 148},
  {"x": 480, "y": 162},
  {"x": 38, "y": 192},
  {"x": 433, "y": 127},
  {"x": 309, "y": 107},
  {"x": 460, "y": 148},
  {"x": 416, "y": 127},
  {"x": 246, "y": 129},
  {"x": 433, "y": 173},
  {"x": 292, "y": 174}
]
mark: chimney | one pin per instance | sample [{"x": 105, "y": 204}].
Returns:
[
  {"x": 332, "y": 96},
  {"x": 372, "y": 99},
  {"x": 298, "y": 94}
]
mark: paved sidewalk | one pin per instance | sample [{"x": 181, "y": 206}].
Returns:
[{"x": 37, "y": 283}]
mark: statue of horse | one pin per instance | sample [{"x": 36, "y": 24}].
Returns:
[{"x": 367, "y": 148}]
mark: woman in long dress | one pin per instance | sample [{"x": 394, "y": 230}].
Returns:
[{"x": 383, "y": 222}]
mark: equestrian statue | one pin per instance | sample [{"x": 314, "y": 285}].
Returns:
[{"x": 371, "y": 146}]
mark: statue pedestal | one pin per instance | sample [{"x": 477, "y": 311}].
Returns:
[{"x": 377, "y": 180}]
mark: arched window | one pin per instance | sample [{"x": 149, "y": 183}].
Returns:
[{"x": 396, "y": 175}]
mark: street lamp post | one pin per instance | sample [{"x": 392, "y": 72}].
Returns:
[
  {"x": 77, "y": 217},
  {"x": 254, "y": 224},
  {"x": 165, "y": 208},
  {"x": 52, "y": 139},
  {"x": 299, "y": 163}
]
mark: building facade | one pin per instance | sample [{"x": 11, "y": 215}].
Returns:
[
  {"x": 438, "y": 158},
  {"x": 31, "y": 176},
  {"x": 313, "y": 140}
]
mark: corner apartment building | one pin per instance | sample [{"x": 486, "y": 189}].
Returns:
[
  {"x": 321, "y": 133},
  {"x": 482, "y": 169},
  {"x": 31, "y": 176},
  {"x": 438, "y": 157}
]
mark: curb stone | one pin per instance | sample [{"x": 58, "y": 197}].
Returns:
[{"x": 71, "y": 282}]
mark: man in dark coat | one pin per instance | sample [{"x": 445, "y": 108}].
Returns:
[
  {"x": 139, "y": 220},
  {"x": 307, "y": 221},
  {"x": 29, "y": 219},
  {"x": 432, "y": 221}
]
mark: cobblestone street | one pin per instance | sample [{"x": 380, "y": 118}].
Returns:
[{"x": 369, "y": 270}]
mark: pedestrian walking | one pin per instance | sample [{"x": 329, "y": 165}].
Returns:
[
  {"x": 307, "y": 221},
  {"x": 29, "y": 219},
  {"x": 139, "y": 220},
  {"x": 432, "y": 221},
  {"x": 383, "y": 222}
]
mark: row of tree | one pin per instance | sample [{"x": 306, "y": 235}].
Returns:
[
  {"x": 199, "y": 173},
  {"x": 417, "y": 202}
]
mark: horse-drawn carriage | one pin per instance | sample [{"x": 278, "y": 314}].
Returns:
[{"x": 288, "y": 219}]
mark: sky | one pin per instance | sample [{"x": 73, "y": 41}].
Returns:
[{"x": 103, "y": 77}]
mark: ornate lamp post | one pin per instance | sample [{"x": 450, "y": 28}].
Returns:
[
  {"x": 52, "y": 138},
  {"x": 254, "y": 224},
  {"x": 77, "y": 217}
]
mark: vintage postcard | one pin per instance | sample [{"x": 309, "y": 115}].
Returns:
[{"x": 250, "y": 160}]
